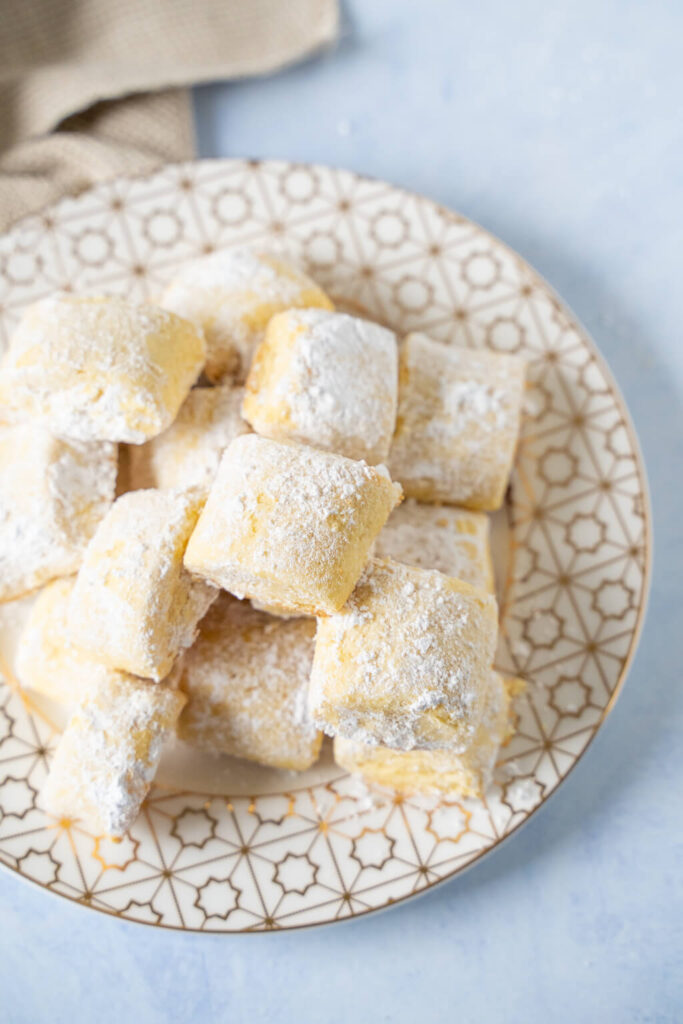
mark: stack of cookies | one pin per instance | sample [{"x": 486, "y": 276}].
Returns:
[{"x": 256, "y": 582}]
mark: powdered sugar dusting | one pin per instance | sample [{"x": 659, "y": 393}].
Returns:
[
  {"x": 53, "y": 495},
  {"x": 453, "y": 540},
  {"x": 468, "y": 773},
  {"x": 134, "y": 604},
  {"x": 246, "y": 679},
  {"x": 405, "y": 661},
  {"x": 99, "y": 368},
  {"x": 231, "y": 295},
  {"x": 458, "y": 422},
  {"x": 189, "y": 452},
  {"x": 289, "y": 525},
  {"x": 46, "y": 661},
  {"x": 109, "y": 753},
  {"x": 336, "y": 388}
]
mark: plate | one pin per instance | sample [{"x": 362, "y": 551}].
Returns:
[{"x": 224, "y": 847}]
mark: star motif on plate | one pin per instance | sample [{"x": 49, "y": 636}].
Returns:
[
  {"x": 194, "y": 827},
  {"x": 218, "y": 898},
  {"x": 295, "y": 873}
]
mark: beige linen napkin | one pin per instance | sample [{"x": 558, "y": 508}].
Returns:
[{"x": 60, "y": 59}]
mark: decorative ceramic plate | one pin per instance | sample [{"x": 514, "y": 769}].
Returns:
[{"x": 222, "y": 846}]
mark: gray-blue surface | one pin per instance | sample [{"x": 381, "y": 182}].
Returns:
[{"x": 558, "y": 127}]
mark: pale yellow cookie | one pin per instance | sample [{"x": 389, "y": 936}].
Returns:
[
  {"x": 442, "y": 772},
  {"x": 134, "y": 606},
  {"x": 99, "y": 369},
  {"x": 231, "y": 295},
  {"x": 108, "y": 754},
  {"x": 288, "y": 525},
  {"x": 246, "y": 680},
  {"x": 188, "y": 453},
  {"x": 328, "y": 380},
  {"x": 279, "y": 612},
  {"x": 47, "y": 661},
  {"x": 53, "y": 495},
  {"x": 457, "y": 424},
  {"x": 453, "y": 540},
  {"x": 406, "y": 661}
]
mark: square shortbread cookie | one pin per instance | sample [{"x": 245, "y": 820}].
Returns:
[
  {"x": 457, "y": 423},
  {"x": 453, "y": 540},
  {"x": 134, "y": 606},
  {"x": 53, "y": 495},
  {"x": 108, "y": 754},
  {"x": 328, "y": 380},
  {"x": 246, "y": 680},
  {"x": 288, "y": 525},
  {"x": 406, "y": 662},
  {"x": 100, "y": 368},
  {"x": 466, "y": 774}
]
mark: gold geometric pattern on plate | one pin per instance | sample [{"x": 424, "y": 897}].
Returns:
[{"x": 573, "y": 587}]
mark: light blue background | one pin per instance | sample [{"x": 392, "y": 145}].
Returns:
[{"x": 558, "y": 127}]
